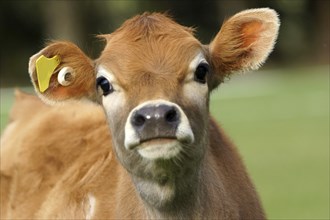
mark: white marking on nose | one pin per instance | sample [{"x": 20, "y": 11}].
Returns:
[
  {"x": 183, "y": 134},
  {"x": 148, "y": 116},
  {"x": 91, "y": 209}
]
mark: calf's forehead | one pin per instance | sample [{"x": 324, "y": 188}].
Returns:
[
  {"x": 152, "y": 46},
  {"x": 165, "y": 57}
]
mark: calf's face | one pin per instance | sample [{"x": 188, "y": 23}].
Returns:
[
  {"x": 154, "y": 77},
  {"x": 154, "y": 91}
]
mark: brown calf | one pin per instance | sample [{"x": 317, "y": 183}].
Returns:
[{"x": 153, "y": 80}]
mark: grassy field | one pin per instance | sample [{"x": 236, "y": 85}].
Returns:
[{"x": 280, "y": 123}]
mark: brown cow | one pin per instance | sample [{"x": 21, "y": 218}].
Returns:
[{"x": 165, "y": 157}]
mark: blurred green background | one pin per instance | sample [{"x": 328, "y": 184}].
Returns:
[{"x": 278, "y": 116}]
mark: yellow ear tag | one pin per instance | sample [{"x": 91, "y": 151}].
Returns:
[{"x": 45, "y": 68}]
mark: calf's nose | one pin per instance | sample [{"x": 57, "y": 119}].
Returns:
[{"x": 156, "y": 121}]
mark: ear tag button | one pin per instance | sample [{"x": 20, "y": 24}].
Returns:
[{"x": 45, "y": 68}]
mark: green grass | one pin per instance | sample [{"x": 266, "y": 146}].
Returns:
[
  {"x": 6, "y": 98},
  {"x": 280, "y": 123}
]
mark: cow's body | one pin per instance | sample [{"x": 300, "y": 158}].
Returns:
[
  {"x": 164, "y": 156},
  {"x": 77, "y": 175}
]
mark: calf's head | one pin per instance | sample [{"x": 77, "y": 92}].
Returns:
[{"x": 154, "y": 78}]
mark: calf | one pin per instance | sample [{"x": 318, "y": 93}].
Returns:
[{"x": 167, "y": 157}]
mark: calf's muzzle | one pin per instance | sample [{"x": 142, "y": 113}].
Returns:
[{"x": 155, "y": 121}]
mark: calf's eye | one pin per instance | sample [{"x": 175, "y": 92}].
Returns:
[
  {"x": 201, "y": 73},
  {"x": 104, "y": 84}
]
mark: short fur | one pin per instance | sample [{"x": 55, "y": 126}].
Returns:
[
  {"x": 65, "y": 160},
  {"x": 50, "y": 175}
]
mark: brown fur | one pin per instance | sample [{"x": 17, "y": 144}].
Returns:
[
  {"x": 51, "y": 173},
  {"x": 65, "y": 154},
  {"x": 149, "y": 56}
]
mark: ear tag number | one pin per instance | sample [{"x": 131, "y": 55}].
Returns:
[{"x": 45, "y": 68}]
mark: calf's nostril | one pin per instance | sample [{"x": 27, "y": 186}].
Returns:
[
  {"x": 138, "y": 120},
  {"x": 171, "y": 115}
]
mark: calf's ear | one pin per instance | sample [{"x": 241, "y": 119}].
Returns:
[
  {"x": 61, "y": 71},
  {"x": 243, "y": 42}
]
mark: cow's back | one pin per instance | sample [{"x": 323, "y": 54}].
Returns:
[
  {"x": 46, "y": 150},
  {"x": 56, "y": 161}
]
